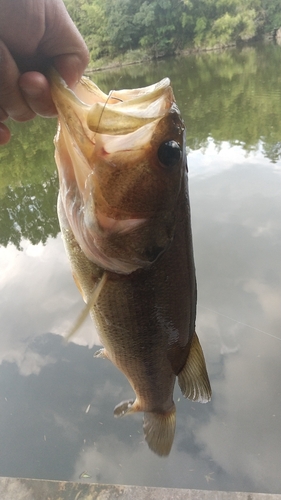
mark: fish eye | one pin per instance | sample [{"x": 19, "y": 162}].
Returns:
[{"x": 169, "y": 153}]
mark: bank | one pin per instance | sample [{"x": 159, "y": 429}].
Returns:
[
  {"x": 139, "y": 56},
  {"x": 37, "y": 489}
]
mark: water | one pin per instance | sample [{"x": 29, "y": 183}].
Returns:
[{"x": 56, "y": 400}]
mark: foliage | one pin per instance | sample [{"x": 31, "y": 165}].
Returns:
[
  {"x": 162, "y": 20},
  {"x": 271, "y": 14},
  {"x": 162, "y": 27},
  {"x": 224, "y": 22}
]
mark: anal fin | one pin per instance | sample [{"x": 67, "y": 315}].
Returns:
[{"x": 193, "y": 379}]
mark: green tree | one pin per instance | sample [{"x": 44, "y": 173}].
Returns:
[
  {"x": 271, "y": 14},
  {"x": 123, "y": 32},
  {"x": 223, "y": 22},
  {"x": 160, "y": 27},
  {"x": 161, "y": 23},
  {"x": 90, "y": 18}
]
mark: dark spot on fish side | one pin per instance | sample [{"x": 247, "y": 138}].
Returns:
[
  {"x": 153, "y": 253},
  {"x": 169, "y": 154}
]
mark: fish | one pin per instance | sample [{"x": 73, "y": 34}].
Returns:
[{"x": 124, "y": 213}]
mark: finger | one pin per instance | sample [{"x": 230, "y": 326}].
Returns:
[
  {"x": 36, "y": 90},
  {"x": 3, "y": 115},
  {"x": 70, "y": 68},
  {"x": 5, "y": 134},
  {"x": 11, "y": 98}
]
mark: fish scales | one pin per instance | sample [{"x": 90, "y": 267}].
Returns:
[
  {"x": 145, "y": 319},
  {"x": 125, "y": 221}
]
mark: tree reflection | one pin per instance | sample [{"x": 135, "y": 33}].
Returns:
[
  {"x": 234, "y": 96},
  {"x": 29, "y": 212},
  {"x": 28, "y": 184}
]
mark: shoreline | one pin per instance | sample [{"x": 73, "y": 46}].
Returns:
[
  {"x": 184, "y": 52},
  {"x": 146, "y": 58}
]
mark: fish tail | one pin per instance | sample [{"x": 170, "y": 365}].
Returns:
[{"x": 159, "y": 430}]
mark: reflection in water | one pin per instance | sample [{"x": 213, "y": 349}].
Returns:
[
  {"x": 241, "y": 263},
  {"x": 28, "y": 184},
  {"x": 46, "y": 386}
]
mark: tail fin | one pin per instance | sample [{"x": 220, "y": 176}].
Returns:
[{"x": 159, "y": 431}]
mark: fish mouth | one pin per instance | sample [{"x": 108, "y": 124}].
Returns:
[{"x": 119, "y": 159}]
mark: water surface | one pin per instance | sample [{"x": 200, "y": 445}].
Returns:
[{"x": 56, "y": 400}]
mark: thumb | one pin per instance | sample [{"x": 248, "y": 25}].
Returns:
[
  {"x": 63, "y": 44},
  {"x": 70, "y": 67}
]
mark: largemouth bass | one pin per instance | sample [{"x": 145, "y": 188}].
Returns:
[{"x": 124, "y": 214}]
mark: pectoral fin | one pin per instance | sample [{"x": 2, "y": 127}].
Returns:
[
  {"x": 125, "y": 408},
  {"x": 193, "y": 379},
  {"x": 101, "y": 353},
  {"x": 84, "y": 313}
]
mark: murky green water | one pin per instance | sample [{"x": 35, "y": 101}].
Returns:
[{"x": 56, "y": 400}]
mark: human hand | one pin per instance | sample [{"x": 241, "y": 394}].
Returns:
[{"x": 33, "y": 35}]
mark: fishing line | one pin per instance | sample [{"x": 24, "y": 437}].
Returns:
[
  {"x": 84, "y": 313},
  {"x": 105, "y": 104},
  {"x": 240, "y": 322},
  {"x": 103, "y": 109}
]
